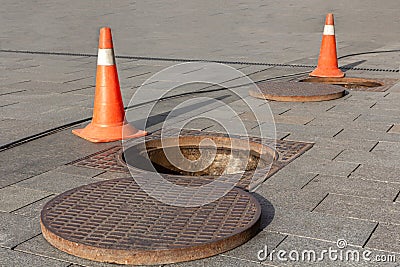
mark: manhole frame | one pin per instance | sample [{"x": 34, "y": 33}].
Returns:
[
  {"x": 387, "y": 83},
  {"x": 288, "y": 151},
  {"x": 216, "y": 139}
]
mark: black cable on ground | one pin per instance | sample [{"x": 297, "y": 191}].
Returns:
[{"x": 202, "y": 60}]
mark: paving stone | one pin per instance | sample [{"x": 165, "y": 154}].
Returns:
[
  {"x": 309, "y": 135},
  {"x": 307, "y": 110},
  {"x": 351, "y": 108},
  {"x": 320, "y": 153},
  {"x": 309, "y": 130},
  {"x": 44, "y": 154},
  {"x": 287, "y": 179},
  {"x": 223, "y": 261},
  {"x": 362, "y": 157},
  {"x": 10, "y": 257},
  {"x": 56, "y": 182},
  {"x": 303, "y": 245},
  {"x": 379, "y": 118},
  {"x": 248, "y": 251},
  {"x": 361, "y": 208},
  {"x": 354, "y": 187},
  {"x": 320, "y": 226},
  {"x": 353, "y": 143},
  {"x": 335, "y": 121},
  {"x": 381, "y": 112},
  {"x": 373, "y": 126},
  {"x": 15, "y": 197},
  {"x": 377, "y": 173},
  {"x": 39, "y": 246},
  {"x": 293, "y": 119},
  {"x": 367, "y": 135},
  {"x": 322, "y": 166},
  {"x": 9, "y": 178},
  {"x": 34, "y": 209},
  {"x": 386, "y": 237},
  {"x": 300, "y": 199},
  {"x": 15, "y": 229}
]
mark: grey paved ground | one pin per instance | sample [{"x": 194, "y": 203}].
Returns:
[{"x": 346, "y": 187}]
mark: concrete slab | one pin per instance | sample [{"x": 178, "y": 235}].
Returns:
[
  {"x": 376, "y": 172},
  {"x": 55, "y": 182},
  {"x": 385, "y": 211},
  {"x": 15, "y": 197},
  {"x": 10, "y": 257},
  {"x": 385, "y": 237},
  {"x": 303, "y": 246},
  {"x": 40, "y": 247},
  {"x": 16, "y": 229},
  {"x": 33, "y": 209},
  {"x": 320, "y": 226},
  {"x": 249, "y": 250},
  {"x": 354, "y": 187}
]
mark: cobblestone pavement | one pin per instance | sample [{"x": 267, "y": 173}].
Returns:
[{"x": 346, "y": 187}]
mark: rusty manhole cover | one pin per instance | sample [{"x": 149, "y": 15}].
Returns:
[
  {"x": 115, "y": 221},
  {"x": 355, "y": 84},
  {"x": 112, "y": 159},
  {"x": 297, "y": 92}
]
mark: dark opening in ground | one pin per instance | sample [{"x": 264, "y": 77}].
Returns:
[
  {"x": 347, "y": 82},
  {"x": 198, "y": 159}
]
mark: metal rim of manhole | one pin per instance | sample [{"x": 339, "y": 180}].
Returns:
[
  {"x": 150, "y": 156},
  {"x": 346, "y": 82},
  {"x": 109, "y": 160},
  {"x": 115, "y": 221},
  {"x": 297, "y": 92}
]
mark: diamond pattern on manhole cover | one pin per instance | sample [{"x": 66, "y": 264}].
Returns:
[
  {"x": 116, "y": 221},
  {"x": 110, "y": 159}
]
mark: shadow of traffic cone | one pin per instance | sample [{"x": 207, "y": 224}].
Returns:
[
  {"x": 108, "y": 123},
  {"x": 327, "y": 61}
]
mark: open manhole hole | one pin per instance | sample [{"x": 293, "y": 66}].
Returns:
[
  {"x": 349, "y": 83},
  {"x": 116, "y": 221},
  {"x": 190, "y": 156},
  {"x": 113, "y": 159}
]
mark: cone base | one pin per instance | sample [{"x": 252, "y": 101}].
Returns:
[
  {"x": 327, "y": 73},
  {"x": 98, "y": 134}
]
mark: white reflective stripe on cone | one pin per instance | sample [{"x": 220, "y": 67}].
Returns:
[
  {"x": 105, "y": 57},
  {"x": 329, "y": 30}
]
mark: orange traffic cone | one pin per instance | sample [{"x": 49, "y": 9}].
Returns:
[
  {"x": 327, "y": 61},
  {"x": 108, "y": 123}
]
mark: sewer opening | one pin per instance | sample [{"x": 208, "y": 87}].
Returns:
[
  {"x": 224, "y": 158},
  {"x": 349, "y": 83}
]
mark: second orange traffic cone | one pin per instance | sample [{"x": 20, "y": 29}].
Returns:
[
  {"x": 327, "y": 61},
  {"x": 108, "y": 123}
]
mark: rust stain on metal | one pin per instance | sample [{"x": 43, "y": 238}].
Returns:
[
  {"x": 115, "y": 221},
  {"x": 297, "y": 92}
]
